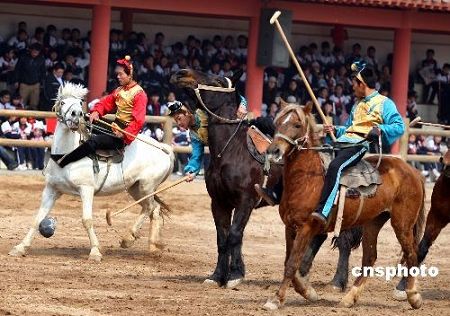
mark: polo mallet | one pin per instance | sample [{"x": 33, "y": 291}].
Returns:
[
  {"x": 418, "y": 120},
  {"x": 134, "y": 136},
  {"x": 109, "y": 215},
  {"x": 274, "y": 19}
]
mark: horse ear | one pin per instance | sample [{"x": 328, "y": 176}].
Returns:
[
  {"x": 308, "y": 107},
  {"x": 236, "y": 76},
  {"x": 283, "y": 104}
]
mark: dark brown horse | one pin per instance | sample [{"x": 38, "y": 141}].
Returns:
[
  {"x": 230, "y": 180},
  {"x": 438, "y": 217},
  {"x": 399, "y": 197}
]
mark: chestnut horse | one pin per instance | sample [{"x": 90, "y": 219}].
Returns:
[
  {"x": 399, "y": 197},
  {"x": 437, "y": 219},
  {"x": 231, "y": 176}
]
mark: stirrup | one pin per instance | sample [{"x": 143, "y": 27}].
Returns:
[
  {"x": 263, "y": 194},
  {"x": 320, "y": 218}
]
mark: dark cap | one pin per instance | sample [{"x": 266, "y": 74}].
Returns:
[{"x": 174, "y": 107}]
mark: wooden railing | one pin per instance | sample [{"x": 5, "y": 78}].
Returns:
[{"x": 167, "y": 123}]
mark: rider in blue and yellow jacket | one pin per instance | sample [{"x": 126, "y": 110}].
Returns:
[
  {"x": 374, "y": 115},
  {"x": 197, "y": 123}
]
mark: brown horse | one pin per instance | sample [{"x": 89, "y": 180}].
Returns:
[
  {"x": 399, "y": 197},
  {"x": 437, "y": 219},
  {"x": 231, "y": 176}
]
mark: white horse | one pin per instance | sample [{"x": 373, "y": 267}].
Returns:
[{"x": 143, "y": 169}]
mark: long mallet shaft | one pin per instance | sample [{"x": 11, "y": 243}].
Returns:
[
  {"x": 274, "y": 19},
  {"x": 418, "y": 120},
  {"x": 109, "y": 215},
  {"x": 132, "y": 135}
]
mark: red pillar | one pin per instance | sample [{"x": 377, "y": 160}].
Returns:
[
  {"x": 255, "y": 73},
  {"x": 127, "y": 21},
  {"x": 400, "y": 71},
  {"x": 98, "y": 68}
]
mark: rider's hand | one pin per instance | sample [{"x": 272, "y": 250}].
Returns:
[
  {"x": 94, "y": 116},
  {"x": 328, "y": 129},
  {"x": 373, "y": 135},
  {"x": 241, "y": 112},
  {"x": 116, "y": 131},
  {"x": 191, "y": 177}
]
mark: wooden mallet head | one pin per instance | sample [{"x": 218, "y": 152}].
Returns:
[
  {"x": 415, "y": 121},
  {"x": 275, "y": 17}
]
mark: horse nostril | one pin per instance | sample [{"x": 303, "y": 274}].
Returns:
[{"x": 73, "y": 113}]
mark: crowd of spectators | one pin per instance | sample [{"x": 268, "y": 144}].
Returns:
[{"x": 34, "y": 64}]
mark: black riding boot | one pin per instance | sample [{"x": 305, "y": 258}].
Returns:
[
  {"x": 271, "y": 195},
  {"x": 78, "y": 153}
]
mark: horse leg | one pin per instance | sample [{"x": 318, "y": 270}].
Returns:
[
  {"x": 369, "y": 243},
  {"x": 222, "y": 220},
  {"x": 155, "y": 228},
  {"x": 234, "y": 242},
  {"x": 348, "y": 239},
  {"x": 301, "y": 242},
  {"x": 49, "y": 196},
  {"x": 132, "y": 233},
  {"x": 87, "y": 198},
  {"x": 433, "y": 228},
  {"x": 310, "y": 254}
]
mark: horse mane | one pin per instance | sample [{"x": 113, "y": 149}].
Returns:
[
  {"x": 71, "y": 90},
  {"x": 308, "y": 119}
]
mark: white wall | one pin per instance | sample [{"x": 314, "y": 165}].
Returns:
[{"x": 177, "y": 28}]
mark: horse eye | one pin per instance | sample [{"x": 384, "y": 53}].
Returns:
[
  {"x": 298, "y": 125},
  {"x": 62, "y": 102}
]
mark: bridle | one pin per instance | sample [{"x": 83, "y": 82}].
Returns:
[
  {"x": 62, "y": 116},
  {"x": 298, "y": 143},
  {"x": 229, "y": 89}
]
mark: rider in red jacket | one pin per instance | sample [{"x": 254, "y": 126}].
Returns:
[{"x": 129, "y": 101}]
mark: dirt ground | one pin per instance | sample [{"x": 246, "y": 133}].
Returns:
[{"x": 57, "y": 279}]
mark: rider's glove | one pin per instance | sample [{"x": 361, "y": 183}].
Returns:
[{"x": 373, "y": 135}]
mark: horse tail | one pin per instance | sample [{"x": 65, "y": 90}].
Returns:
[
  {"x": 419, "y": 226},
  {"x": 348, "y": 239},
  {"x": 165, "y": 208}
]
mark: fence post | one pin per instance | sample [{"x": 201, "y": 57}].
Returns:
[
  {"x": 168, "y": 124},
  {"x": 404, "y": 140}
]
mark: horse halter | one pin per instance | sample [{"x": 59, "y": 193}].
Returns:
[
  {"x": 216, "y": 89},
  {"x": 298, "y": 143},
  {"x": 62, "y": 116}
]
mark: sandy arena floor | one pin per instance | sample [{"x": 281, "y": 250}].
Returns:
[{"x": 57, "y": 279}]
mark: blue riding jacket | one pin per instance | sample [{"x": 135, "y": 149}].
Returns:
[
  {"x": 199, "y": 140},
  {"x": 373, "y": 110}
]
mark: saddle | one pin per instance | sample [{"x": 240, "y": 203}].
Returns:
[
  {"x": 360, "y": 181},
  {"x": 115, "y": 156},
  {"x": 257, "y": 143}
]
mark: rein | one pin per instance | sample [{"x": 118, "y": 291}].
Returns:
[
  {"x": 299, "y": 143},
  {"x": 216, "y": 89},
  {"x": 220, "y": 118}
]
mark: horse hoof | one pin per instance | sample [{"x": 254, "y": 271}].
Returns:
[
  {"x": 95, "y": 257},
  {"x": 153, "y": 248},
  {"x": 311, "y": 294},
  {"x": 348, "y": 300},
  {"x": 127, "y": 243},
  {"x": 399, "y": 295},
  {"x": 234, "y": 283},
  {"x": 17, "y": 251},
  {"x": 211, "y": 283},
  {"x": 272, "y": 305},
  {"x": 334, "y": 288},
  {"x": 415, "y": 300}
]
